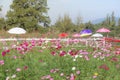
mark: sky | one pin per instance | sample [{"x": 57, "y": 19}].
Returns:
[{"x": 87, "y": 9}]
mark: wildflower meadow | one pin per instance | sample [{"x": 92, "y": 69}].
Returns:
[{"x": 56, "y": 59}]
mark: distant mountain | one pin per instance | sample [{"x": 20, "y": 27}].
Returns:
[{"x": 99, "y": 20}]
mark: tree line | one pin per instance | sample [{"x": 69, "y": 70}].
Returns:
[{"x": 32, "y": 15}]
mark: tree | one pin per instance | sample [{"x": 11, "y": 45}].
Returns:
[
  {"x": 117, "y": 29},
  {"x": 112, "y": 20},
  {"x": 107, "y": 21},
  {"x": 119, "y": 22},
  {"x": 2, "y": 24},
  {"x": 2, "y": 21},
  {"x": 79, "y": 23},
  {"x": 28, "y": 14},
  {"x": 89, "y": 25},
  {"x": 0, "y": 9},
  {"x": 64, "y": 24}
]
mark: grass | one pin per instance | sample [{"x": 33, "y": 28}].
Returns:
[{"x": 5, "y": 34}]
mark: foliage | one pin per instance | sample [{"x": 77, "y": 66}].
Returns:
[
  {"x": 0, "y": 9},
  {"x": 64, "y": 24},
  {"x": 79, "y": 24},
  {"x": 28, "y": 14},
  {"x": 89, "y": 25},
  {"x": 42, "y": 30},
  {"x": 119, "y": 22},
  {"x": 2, "y": 24}
]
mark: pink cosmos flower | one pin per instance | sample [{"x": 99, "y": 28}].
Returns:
[
  {"x": 62, "y": 74},
  {"x": 22, "y": 52},
  {"x": 84, "y": 53},
  {"x": 7, "y": 51},
  {"x": 94, "y": 76},
  {"x": 54, "y": 70},
  {"x": 95, "y": 56},
  {"x": 62, "y": 53},
  {"x": 51, "y": 79},
  {"x": 53, "y": 53},
  {"x": 86, "y": 57},
  {"x": 25, "y": 67},
  {"x": 43, "y": 77},
  {"x": 40, "y": 50},
  {"x": 59, "y": 46},
  {"x": 19, "y": 48},
  {"x": 18, "y": 69},
  {"x": 3, "y": 53},
  {"x": 104, "y": 66},
  {"x": 114, "y": 59},
  {"x": 33, "y": 44},
  {"x": 1, "y": 62},
  {"x": 78, "y": 72},
  {"x": 14, "y": 57},
  {"x": 72, "y": 77},
  {"x": 117, "y": 52},
  {"x": 48, "y": 77}
]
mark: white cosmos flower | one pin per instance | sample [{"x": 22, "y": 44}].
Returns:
[
  {"x": 7, "y": 78},
  {"x": 43, "y": 47},
  {"x": 13, "y": 76},
  {"x": 80, "y": 56},
  {"x": 73, "y": 68},
  {"x": 6, "y": 48},
  {"x": 76, "y": 56},
  {"x": 74, "y": 59},
  {"x": 46, "y": 41},
  {"x": 14, "y": 46}
]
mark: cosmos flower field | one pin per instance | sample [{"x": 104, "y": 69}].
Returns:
[{"x": 73, "y": 59}]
